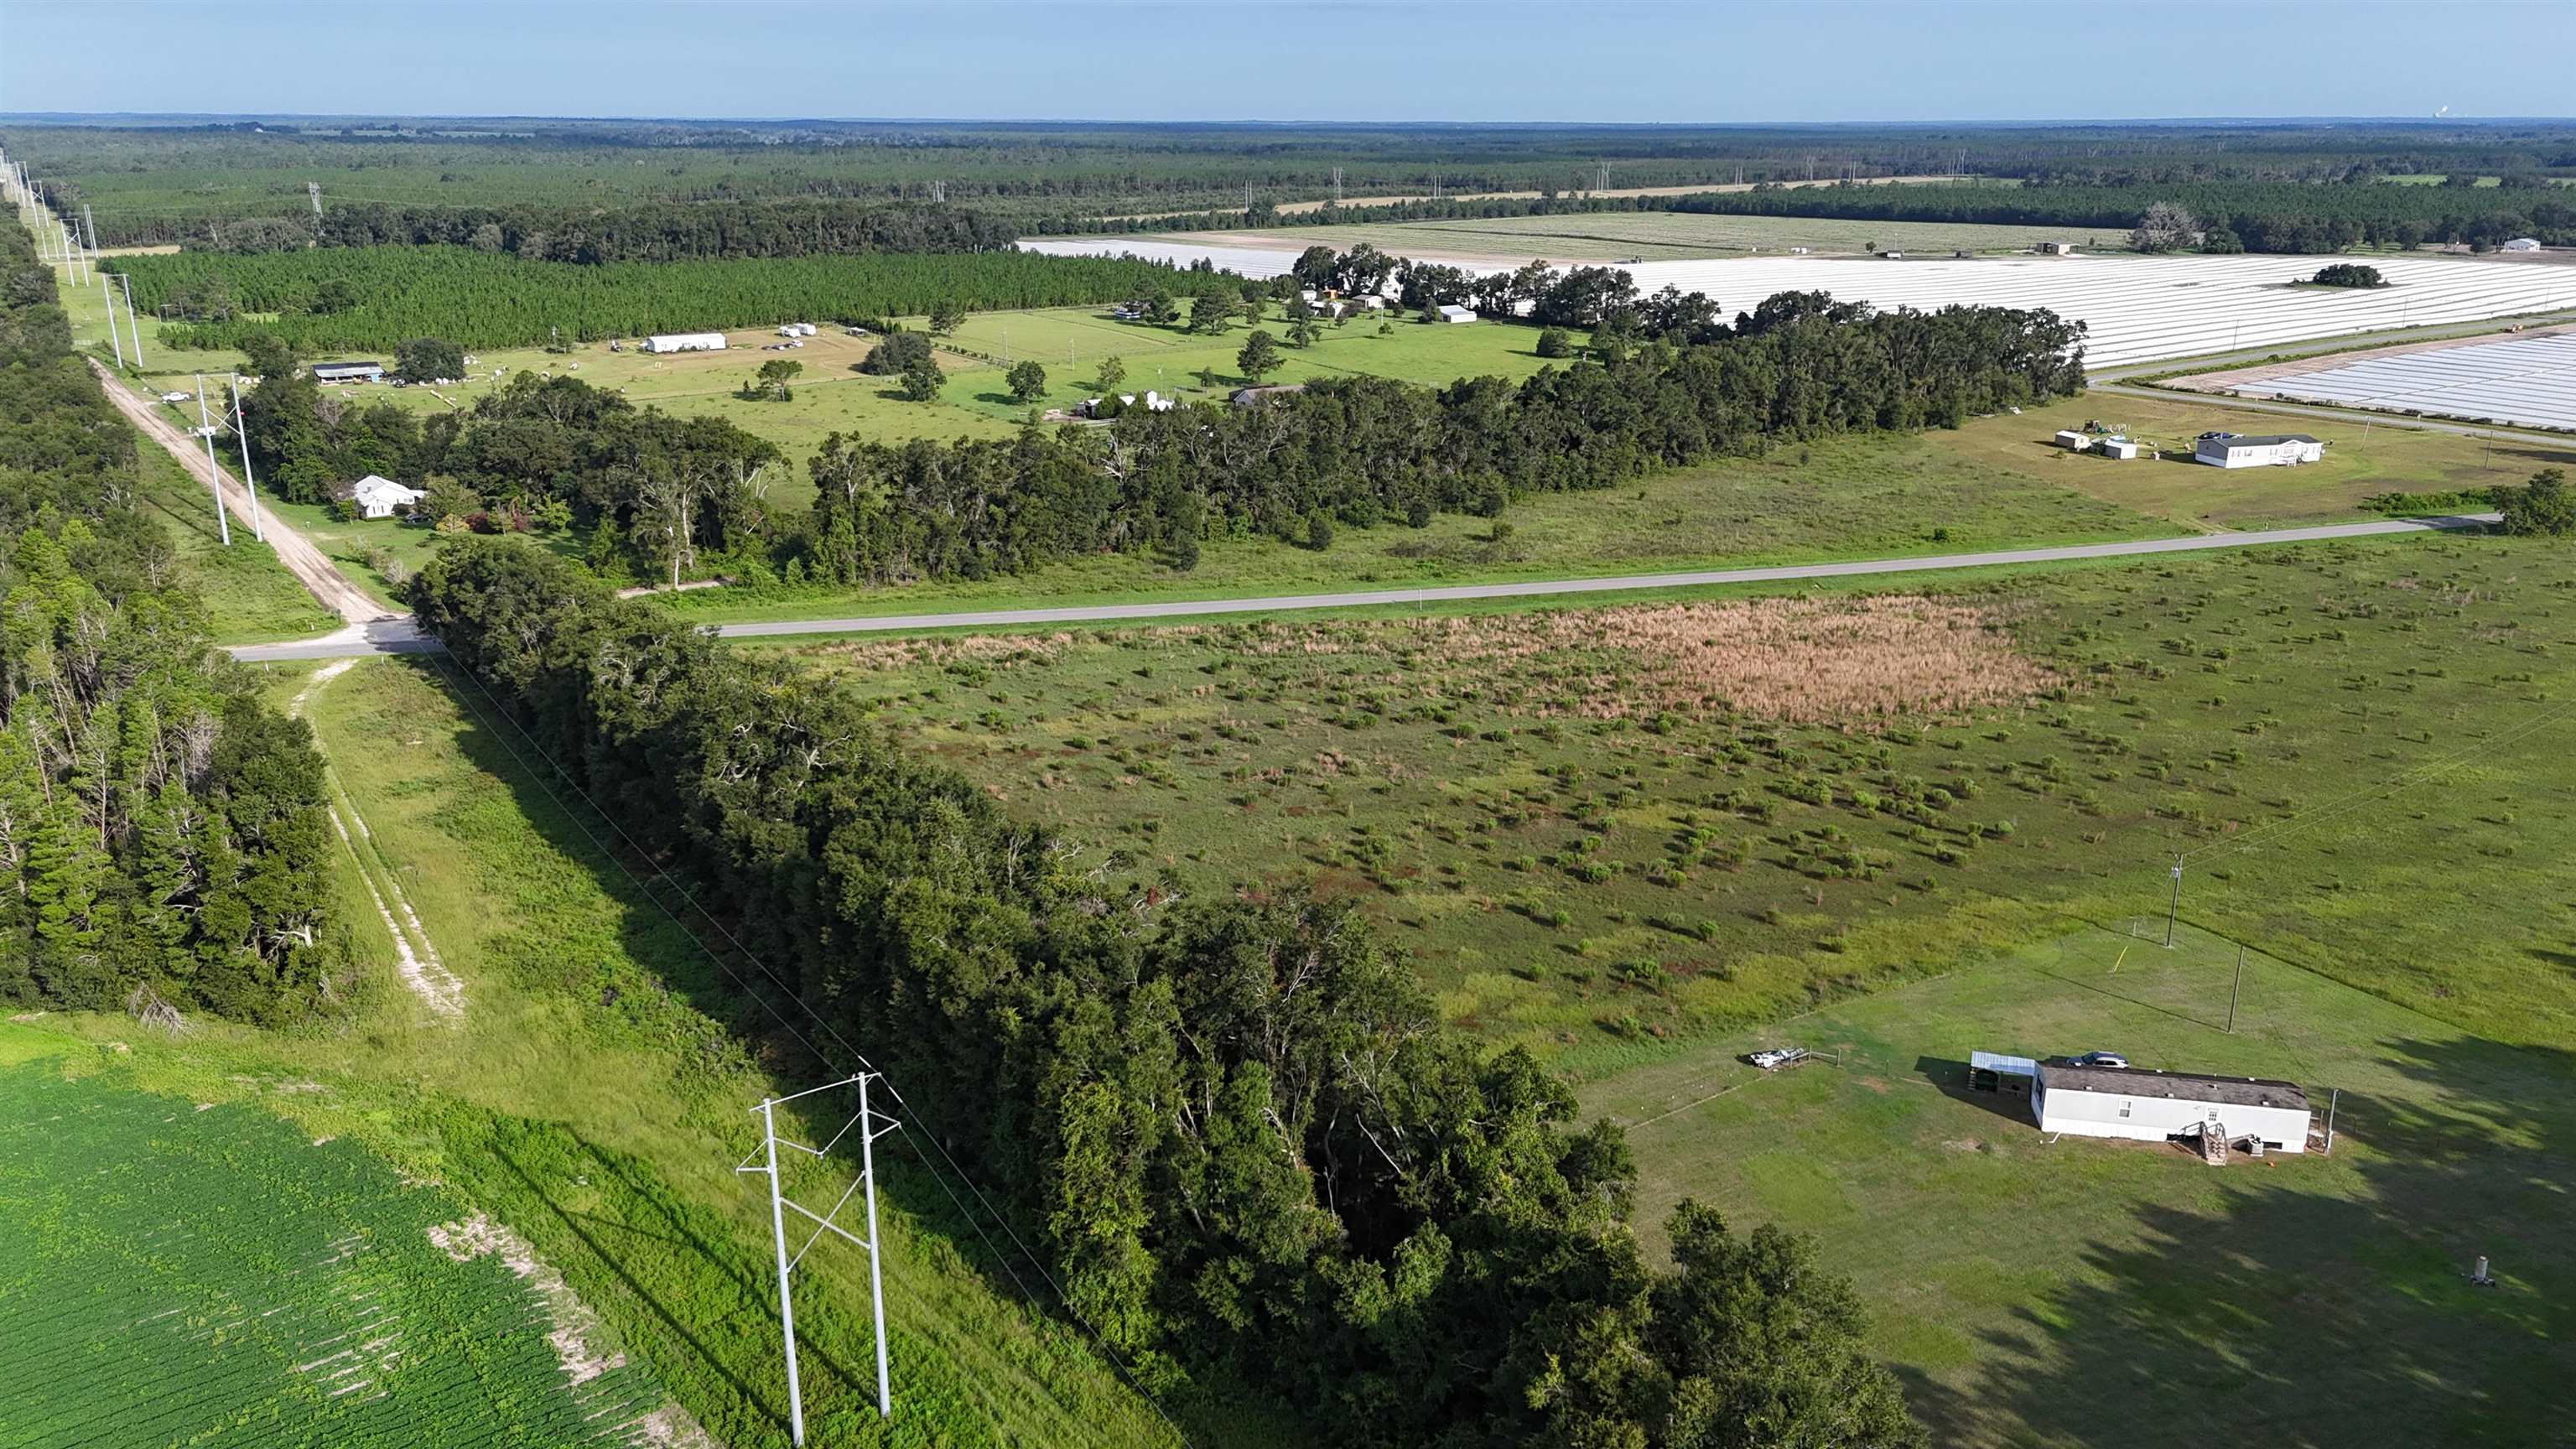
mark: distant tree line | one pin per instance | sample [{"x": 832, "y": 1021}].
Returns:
[
  {"x": 1235, "y": 1129},
  {"x": 1666, "y": 383},
  {"x": 161, "y": 826}
]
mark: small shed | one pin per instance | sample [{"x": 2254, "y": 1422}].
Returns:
[
  {"x": 1996, "y": 1072},
  {"x": 1452, "y": 312},
  {"x": 2055, "y": 249},
  {"x": 2073, "y": 441},
  {"x": 2151, "y": 1106},
  {"x": 376, "y": 496},
  {"x": 2523, "y": 244},
  {"x": 2120, "y": 448},
  {"x": 2258, "y": 450},
  {"x": 355, "y": 371}
]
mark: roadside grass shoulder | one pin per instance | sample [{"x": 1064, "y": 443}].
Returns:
[{"x": 249, "y": 595}]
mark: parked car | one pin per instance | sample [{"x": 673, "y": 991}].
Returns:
[
  {"x": 1777, "y": 1057},
  {"x": 2101, "y": 1059}
]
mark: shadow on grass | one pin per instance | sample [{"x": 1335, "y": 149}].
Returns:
[
  {"x": 2321, "y": 1301},
  {"x": 1951, "y": 1078},
  {"x": 736, "y": 995}
]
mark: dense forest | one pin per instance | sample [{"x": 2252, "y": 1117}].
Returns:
[
  {"x": 659, "y": 231},
  {"x": 1235, "y": 1127},
  {"x": 161, "y": 828},
  {"x": 1667, "y": 384},
  {"x": 150, "y": 184},
  {"x": 378, "y": 298}
]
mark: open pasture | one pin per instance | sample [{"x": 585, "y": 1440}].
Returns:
[
  {"x": 1664, "y": 236},
  {"x": 2140, "y": 309},
  {"x": 186, "y": 1273},
  {"x": 1593, "y": 831},
  {"x": 2059, "y": 1294},
  {"x": 2527, "y": 380}
]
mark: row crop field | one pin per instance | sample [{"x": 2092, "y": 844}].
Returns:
[
  {"x": 2529, "y": 380},
  {"x": 1668, "y": 236},
  {"x": 184, "y": 1274},
  {"x": 478, "y": 299},
  {"x": 2140, "y": 309}
]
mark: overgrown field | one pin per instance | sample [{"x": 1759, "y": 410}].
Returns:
[
  {"x": 590, "y": 1097},
  {"x": 249, "y": 596},
  {"x": 1663, "y": 235},
  {"x": 179, "y": 1272},
  {"x": 1599, "y": 828},
  {"x": 2061, "y": 1294}
]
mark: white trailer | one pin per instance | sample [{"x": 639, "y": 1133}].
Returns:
[
  {"x": 2151, "y": 1106},
  {"x": 685, "y": 342},
  {"x": 2267, "y": 450}
]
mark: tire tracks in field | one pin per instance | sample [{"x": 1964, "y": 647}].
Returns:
[{"x": 416, "y": 959}]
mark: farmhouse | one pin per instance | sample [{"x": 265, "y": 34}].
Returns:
[
  {"x": 1452, "y": 312},
  {"x": 2261, "y": 450},
  {"x": 348, "y": 371},
  {"x": 685, "y": 342},
  {"x": 2150, "y": 1106},
  {"x": 376, "y": 496},
  {"x": 1245, "y": 397}
]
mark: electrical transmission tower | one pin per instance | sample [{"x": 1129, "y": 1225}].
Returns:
[
  {"x": 1337, "y": 186},
  {"x": 780, "y": 1204},
  {"x": 313, "y": 190},
  {"x": 939, "y": 192},
  {"x": 1601, "y": 177}
]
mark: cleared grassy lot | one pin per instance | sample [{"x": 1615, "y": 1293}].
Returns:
[
  {"x": 249, "y": 595},
  {"x": 2067, "y": 1293},
  {"x": 1597, "y": 829},
  {"x": 1671, "y": 236}
]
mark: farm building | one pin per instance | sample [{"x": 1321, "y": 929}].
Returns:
[
  {"x": 2523, "y": 244},
  {"x": 1452, "y": 312},
  {"x": 348, "y": 371},
  {"x": 2055, "y": 249},
  {"x": 1245, "y": 397},
  {"x": 376, "y": 496},
  {"x": 2150, "y": 1106},
  {"x": 2120, "y": 449},
  {"x": 2259, "y": 450},
  {"x": 2073, "y": 441},
  {"x": 685, "y": 342}
]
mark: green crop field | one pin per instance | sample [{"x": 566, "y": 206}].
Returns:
[
  {"x": 2071, "y": 1293},
  {"x": 183, "y": 1273},
  {"x": 590, "y": 1097},
  {"x": 1598, "y": 828},
  {"x": 1671, "y": 236}
]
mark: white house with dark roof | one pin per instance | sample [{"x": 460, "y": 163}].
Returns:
[{"x": 2258, "y": 450}]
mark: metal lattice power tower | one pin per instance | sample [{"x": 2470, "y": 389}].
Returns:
[{"x": 780, "y": 1204}]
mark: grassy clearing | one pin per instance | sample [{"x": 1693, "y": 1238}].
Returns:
[
  {"x": 1674, "y": 236},
  {"x": 248, "y": 594},
  {"x": 591, "y": 1098},
  {"x": 181, "y": 1272},
  {"x": 1582, "y": 855},
  {"x": 2060, "y": 1294}
]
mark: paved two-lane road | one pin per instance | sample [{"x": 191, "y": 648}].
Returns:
[{"x": 396, "y": 639}]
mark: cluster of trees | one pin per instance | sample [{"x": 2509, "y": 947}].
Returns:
[
  {"x": 1235, "y": 1128},
  {"x": 2252, "y": 216},
  {"x": 659, "y": 493},
  {"x": 342, "y": 298},
  {"x": 2348, "y": 274},
  {"x": 667, "y": 231},
  {"x": 1365, "y": 450},
  {"x": 160, "y": 826},
  {"x": 2542, "y": 508}
]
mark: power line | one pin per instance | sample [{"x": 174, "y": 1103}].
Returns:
[{"x": 1125, "y": 1370}]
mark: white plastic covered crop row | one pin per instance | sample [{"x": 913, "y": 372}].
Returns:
[{"x": 2528, "y": 380}]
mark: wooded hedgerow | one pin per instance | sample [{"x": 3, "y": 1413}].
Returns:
[
  {"x": 1236, "y": 1129},
  {"x": 159, "y": 824}
]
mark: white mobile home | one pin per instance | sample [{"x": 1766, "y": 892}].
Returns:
[
  {"x": 2073, "y": 441},
  {"x": 2265, "y": 450},
  {"x": 685, "y": 342},
  {"x": 2148, "y": 1106},
  {"x": 2523, "y": 244}
]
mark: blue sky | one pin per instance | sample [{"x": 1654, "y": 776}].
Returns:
[{"x": 1462, "y": 60}]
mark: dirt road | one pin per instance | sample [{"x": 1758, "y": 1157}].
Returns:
[{"x": 310, "y": 565}]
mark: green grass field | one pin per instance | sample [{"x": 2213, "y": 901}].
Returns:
[
  {"x": 1673, "y": 236},
  {"x": 249, "y": 595},
  {"x": 2083, "y": 1292},
  {"x": 1586, "y": 848},
  {"x": 591, "y": 1098},
  {"x": 184, "y": 1273}
]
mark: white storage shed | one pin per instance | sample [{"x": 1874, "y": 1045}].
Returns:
[
  {"x": 2073, "y": 441},
  {"x": 685, "y": 342},
  {"x": 1452, "y": 312},
  {"x": 2120, "y": 448},
  {"x": 2523, "y": 244},
  {"x": 2150, "y": 1106},
  {"x": 2261, "y": 450}
]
